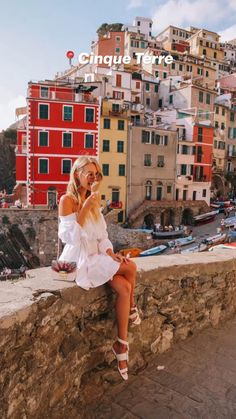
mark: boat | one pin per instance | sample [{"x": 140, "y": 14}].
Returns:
[
  {"x": 229, "y": 222},
  {"x": 154, "y": 251},
  {"x": 205, "y": 218},
  {"x": 221, "y": 205},
  {"x": 201, "y": 247},
  {"x": 231, "y": 246},
  {"x": 131, "y": 252},
  {"x": 184, "y": 241},
  {"x": 216, "y": 239},
  {"x": 140, "y": 230},
  {"x": 167, "y": 234}
]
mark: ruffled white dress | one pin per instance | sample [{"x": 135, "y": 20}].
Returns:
[{"x": 87, "y": 247}]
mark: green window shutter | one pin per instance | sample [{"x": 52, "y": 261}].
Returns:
[
  {"x": 105, "y": 169},
  {"x": 43, "y": 139},
  {"x": 121, "y": 170},
  {"x": 66, "y": 139},
  {"x": 43, "y": 166},
  {"x": 157, "y": 139},
  {"x": 88, "y": 141},
  {"x": 67, "y": 113},
  {"x": 120, "y": 146},
  {"x": 106, "y": 123},
  {"x": 89, "y": 115},
  {"x": 121, "y": 125},
  {"x": 66, "y": 166},
  {"x": 106, "y": 145},
  {"x": 166, "y": 140},
  {"x": 43, "y": 111}
]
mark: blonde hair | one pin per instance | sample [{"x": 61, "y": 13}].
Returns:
[{"x": 73, "y": 186}]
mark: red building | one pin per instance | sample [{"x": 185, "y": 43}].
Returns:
[
  {"x": 62, "y": 124},
  {"x": 203, "y": 139}
]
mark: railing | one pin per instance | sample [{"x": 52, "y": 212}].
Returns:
[
  {"x": 116, "y": 205},
  {"x": 63, "y": 96},
  {"x": 21, "y": 149},
  {"x": 200, "y": 179}
]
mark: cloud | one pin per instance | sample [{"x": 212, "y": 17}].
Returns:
[
  {"x": 7, "y": 111},
  {"x": 200, "y": 13},
  {"x": 228, "y": 34},
  {"x": 133, "y": 4}
]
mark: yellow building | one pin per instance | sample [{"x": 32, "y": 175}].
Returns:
[
  {"x": 205, "y": 43},
  {"x": 113, "y": 154}
]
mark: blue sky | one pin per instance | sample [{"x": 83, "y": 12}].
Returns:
[{"x": 34, "y": 36}]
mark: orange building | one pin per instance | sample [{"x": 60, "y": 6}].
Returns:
[
  {"x": 203, "y": 139},
  {"x": 111, "y": 43}
]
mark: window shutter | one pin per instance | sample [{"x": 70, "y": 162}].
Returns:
[
  {"x": 166, "y": 140},
  {"x": 157, "y": 139},
  {"x": 153, "y": 137}
]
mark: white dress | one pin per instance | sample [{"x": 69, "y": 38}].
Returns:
[{"x": 87, "y": 247}]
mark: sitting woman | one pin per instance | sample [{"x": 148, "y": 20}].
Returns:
[{"x": 82, "y": 227}]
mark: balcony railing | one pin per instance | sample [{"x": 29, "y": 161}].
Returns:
[
  {"x": 62, "y": 96},
  {"x": 115, "y": 205},
  {"x": 200, "y": 179},
  {"x": 21, "y": 149}
]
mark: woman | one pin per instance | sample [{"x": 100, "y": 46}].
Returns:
[{"x": 82, "y": 227}]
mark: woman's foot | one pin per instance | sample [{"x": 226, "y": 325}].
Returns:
[
  {"x": 134, "y": 316},
  {"x": 121, "y": 350}
]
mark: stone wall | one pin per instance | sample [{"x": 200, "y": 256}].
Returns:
[{"x": 55, "y": 338}]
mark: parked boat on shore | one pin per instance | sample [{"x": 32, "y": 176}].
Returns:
[
  {"x": 154, "y": 251},
  {"x": 205, "y": 218},
  {"x": 184, "y": 241},
  {"x": 206, "y": 243},
  {"x": 167, "y": 234},
  {"x": 229, "y": 222}
]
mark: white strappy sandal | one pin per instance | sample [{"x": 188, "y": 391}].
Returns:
[
  {"x": 122, "y": 357},
  {"x": 134, "y": 316}
]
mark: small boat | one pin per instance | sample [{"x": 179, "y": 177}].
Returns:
[
  {"x": 232, "y": 234},
  {"x": 231, "y": 246},
  {"x": 132, "y": 252},
  {"x": 167, "y": 234},
  {"x": 154, "y": 250},
  {"x": 140, "y": 230},
  {"x": 201, "y": 247},
  {"x": 216, "y": 239},
  {"x": 205, "y": 218},
  {"x": 229, "y": 222},
  {"x": 221, "y": 205},
  {"x": 184, "y": 241}
]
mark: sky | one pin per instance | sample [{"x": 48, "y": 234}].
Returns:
[{"x": 35, "y": 35}]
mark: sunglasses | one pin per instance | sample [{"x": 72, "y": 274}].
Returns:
[{"x": 91, "y": 175}]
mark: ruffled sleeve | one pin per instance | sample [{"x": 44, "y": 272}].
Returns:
[
  {"x": 104, "y": 243},
  {"x": 70, "y": 232}
]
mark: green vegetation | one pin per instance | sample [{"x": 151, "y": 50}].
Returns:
[{"x": 106, "y": 27}]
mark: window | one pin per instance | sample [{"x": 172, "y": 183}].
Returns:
[
  {"x": 181, "y": 67},
  {"x": 89, "y": 115},
  {"x": 183, "y": 169},
  {"x": 105, "y": 169},
  {"x": 137, "y": 83},
  {"x": 216, "y": 124},
  {"x": 121, "y": 169},
  {"x": 138, "y": 23},
  {"x": 66, "y": 142},
  {"x": 106, "y": 145},
  {"x": 160, "y": 161},
  {"x": 169, "y": 189},
  {"x": 142, "y": 44},
  {"x": 121, "y": 125},
  {"x": 156, "y": 88},
  {"x": 164, "y": 75},
  {"x": 147, "y": 160},
  {"x": 185, "y": 192},
  {"x": 215, "y": 144},
  {"x": 117, "y": 38},
  {"x": 222, "y": 126},
  {"x": 88, "y": 140},
  {"x": 118, "y": 80},
  {"x": 156, "y": 73},
  {"x": 207, "y": 73},
  {"x": 217, "y": 110},
  {"x": 145, "y": 136},
  {"x": 215, "y": 55},
  {"x": 117, "y": 50},
  {"x": 200, "y": 97},
  {"x": 204, "y": 52},
  {"x": 115, "y": 107},
  {"x": 223, "y": 111},
  {"x": 147, "y": 87},
  {"x": 43, "y": 111},
  {"x": 204, "y": 193},
  {"x": 43, "y": 139},
  {"x": 173, "y": 66},
  {"x": 208, "y": 98},
  {"x": 44, "y": 92},
  {"x": 106, "y": 123},
  {"x": 120, "y": 146},
  {"x": 231, "y": 116},
  {"x": 67, "y": 113},
  {"x": 199, "y": 137},
  {"x": 43, "y": 166},
  {"x": 170, "y": 99},
  {"x": 148, "y": 101},
  {"x": 184, "y": 149},
  {"x": 66, "y": 167},
  {"x": 189, "y": 68}
]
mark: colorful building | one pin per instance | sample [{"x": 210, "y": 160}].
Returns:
[{"x": 62, "y": 124}]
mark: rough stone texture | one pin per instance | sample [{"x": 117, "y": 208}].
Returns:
[
  {"x": 194, "y": 380},
  {"x": 55, "y": 340},
  {"x": 39, "y": 228}
]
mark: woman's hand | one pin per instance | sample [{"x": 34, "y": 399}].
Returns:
[
  {"x": 118, "y": 257},
  {"x": 91, "y": 201}
]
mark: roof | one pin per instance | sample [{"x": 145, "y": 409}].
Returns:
[{"x": 228, "y": 81}]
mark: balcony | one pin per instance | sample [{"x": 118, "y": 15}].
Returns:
[
  {"x": 62, "y": 96},
  {"x": 21, "y": 149},
  {"x": 116, "y": 205},
  {"x": 200, "y": 179}
]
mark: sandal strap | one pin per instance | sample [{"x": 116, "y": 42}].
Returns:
[
  {"x": 122, "y": 357},
  {"x": 124, "y": 342},
  {"x": 134, "y": 309},
  {"x": 123, "y": 371},
  {"x": 133, "y": 316}
]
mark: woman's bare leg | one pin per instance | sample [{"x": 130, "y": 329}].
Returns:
[
  {"x": 122, "y": 287},
  {"x": 128, "y": 270}
]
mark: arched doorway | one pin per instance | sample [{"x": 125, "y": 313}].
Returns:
[
  {"x": 149, "y": 221},
  {"x": 187, "y": 216},
  {"x": 168, "y": 217}
]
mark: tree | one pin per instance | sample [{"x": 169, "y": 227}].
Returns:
[{"x": 106, "y": 27}]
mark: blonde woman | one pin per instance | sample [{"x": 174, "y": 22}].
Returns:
[{"x": 82, "y": 227}]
